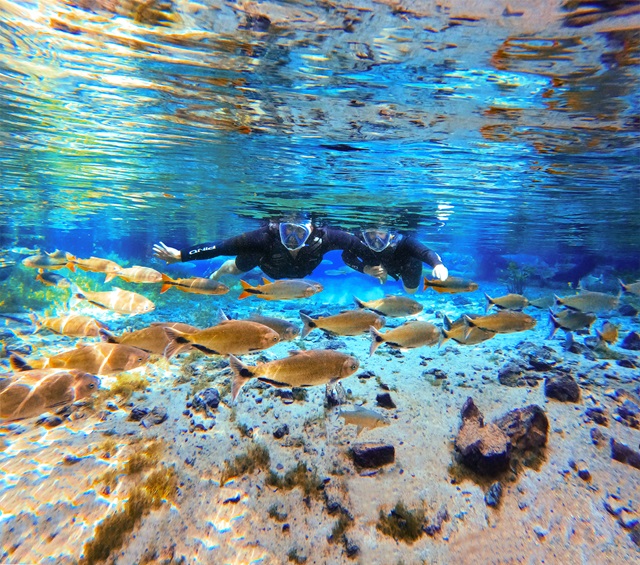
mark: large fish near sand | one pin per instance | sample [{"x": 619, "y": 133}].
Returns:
[
  {"x": 118, "y": 300},
  {"x": 153, "y": 339},
  {"x": 52, "y": 261},
  {"x": 92, "y": 264},
  {"x": 507, "y": 302},
  {"x": 74, "y": 325},
  {"x": 363, "y": 419},
  {"x": 392, "y": 306},
  {"x": 194, "y": 285},
  {"x": 235, "y": 337},
  {"x": 300, "y": 369},
  {"x": 503, "y": 322},
  {"x": 136, "y": 274},
  {"x": 589, "y": 301},
  {"x": 33, "y": 392},
  {"x": 407, "y": 336},
  {"x": 451, "y": 286},
  {"x": 570, "y": 320},
  {"x": 98, "y": 359},
  {"x": 459, "y": 332},
  {"x": 349, "y": 322},
  {"x": 286, "y": 289},
  {"x": 286, "y": 330}
]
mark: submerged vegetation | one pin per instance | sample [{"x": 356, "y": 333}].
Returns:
[
  {"x": 299, "y": 476},
  {"x": 256, "y": 457},
  {"x": 515, "y": 277},
  {"x": 401, "y": 523}
]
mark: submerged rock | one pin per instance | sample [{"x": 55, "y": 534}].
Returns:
[
  {"x": 526, "y": 428},
  {"x": 631, "y": 341},
  {"x": 624, "y": 454},
  {"x": 373, "y": 455},
  {"x": 562, "y": 387}
]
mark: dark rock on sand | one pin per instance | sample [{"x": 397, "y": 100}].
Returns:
[
  {"x": 597, "y": 415},
  {"x": 597, "y": 437},
  {"x": 562, "y": 387},
  {"x": 281, "y": 431},
  {"x": 155, "y": 417},
  {"x": 626, "y": 363},
  {"x": 627, "y": 310},
  {"x": 373, "y": 455},
  {"x": 384, "y": 400},
  {"x": 526, "y": 428},
  {"x": 624, "y": 454},
  {"x": 512, "y": 374},
  {"x": 493, "y": 495},
  {"x": 483, "y": 448},
  {"x": 207, "y": 399},
  {"x": 137, "y": 413},
  {"x": 631, "y": 341},
  {"x": 629, "y": 414},
  {"x": 539, "y": 358}
]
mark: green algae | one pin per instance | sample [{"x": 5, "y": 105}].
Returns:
[
  {"x": 401, "y": 523},
  {"x": 299, "y": 476},
  {"x": 256, "y": 457}
]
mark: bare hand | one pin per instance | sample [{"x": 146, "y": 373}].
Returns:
[
  {"x": 377, "y": 271},
  {"x": 168, "y": 254}
]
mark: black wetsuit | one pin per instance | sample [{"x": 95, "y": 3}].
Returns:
[
  {"x": 402, "y": 259},
  {"x": 263, "y": 248}
]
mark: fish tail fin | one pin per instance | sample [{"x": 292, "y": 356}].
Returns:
[
  {"x": 558, "y": 300},
  {"x": 308, "y": 324},
  {"x": 555, "y": 324},
  {"x": 247, "y": 290},
  {"x": 600, "y": 337},
  {"x": 17, "y": 363},
  {"x": 447, "y": 322},
  {"x": 107, "y": 336},
  {"x": 265, "y": 280},
  {"x": 359, "y": 302},
  {"x": 241, "y": 374},
  {"x": 71, "y": 259},
  {"x": 469, "y": 325},
  {"x": 377, "y": 339},
  {"x": 623, "y": 287},
  {"x": 490, "y": 303},
  {"x": 222, "y": 317},
  {"x": 177, "y": 344},
  {"x": 568, "y": 339},
  {"x": 425, "y": 284},
  {"x": 110, "y": 276},
  {"x": 444, "y": 336},
  {"x": 166, "y": 283}
]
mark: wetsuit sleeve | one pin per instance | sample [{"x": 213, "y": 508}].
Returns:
[
  {"x": 416, "y": 249},
  {"x": 355, "y": 254},
  {"x": 256, "y": 241}
]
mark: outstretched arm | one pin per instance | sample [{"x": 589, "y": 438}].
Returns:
[{"x": 428, "y": 256}]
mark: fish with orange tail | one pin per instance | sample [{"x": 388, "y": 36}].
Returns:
[
  {"x": 452, "y": 285},
  {"x": 285, "y": 289},
  {"x": 194, "y": 285}
]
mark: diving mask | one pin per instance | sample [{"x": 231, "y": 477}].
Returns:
[
  {"x": 377, "y": 239},
  {"x": 294, "y": 236}
]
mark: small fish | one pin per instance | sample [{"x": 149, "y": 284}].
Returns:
[
  {"x": 285, "y": 289},
  {"x": 570, "y": 320},
  {"x": 229, "y": 337},
  {"x": 407, "y": 336},
  {"x": 392, "y": 306},
  {"x": 632, "y": 288},
  {"x": 24, "y": 251},
  {"x": 286, "y": 330},
  {"x": 153, "y": 339},
  {"x": 52, "y": 261},
  {"x": 363, "y": 418},
  {"x": 336, "y": 272},
  {"x": 608, "y": 333},
  {"x": 507, "y": 302},
  {"x": 118, "y": 300},
  {"x": 99, "y": 359},
  {"x": 194, "y": 285},
  {"x": 350, "y": 322},
  {"x": 92, "y": 264},
  {"x": 589, "y": 301},
  {"x": 460, "y": 333},
  {"x": 590, "y": 280},
  {"x": 505, "y": 321},
  {"x": 300, "y": 369},
  {"x": 74, "y": 325},
  {"x": 53, "y": 279},
  {"x": 30, "y": 393},
  {"x": 136, "y": 274},
  {"x": 543, "y": 303},
  {"x": 451, "y": 286}
]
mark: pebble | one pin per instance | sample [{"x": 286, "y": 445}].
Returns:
[
  {"x": 137, "y": 413},
  {"x": 540, "y": 531},
  {"x": 384, "y": 400},
  {"x": 493, "y": 495},
  {"x": 628, "y": 519}
]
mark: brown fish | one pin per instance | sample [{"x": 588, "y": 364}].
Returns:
[
  {"x": 153, "y": 338},
  {"x": 74, "y": 325},
  {"x": 349, "y": 322},
  {"x": 136, "y": 274},
  {"x": 30, "y": 393},
  {"x": 285, "y": 289},
  {"x": 460, "y": 333},
  {"x": 194, "y": 285},
  {"x": 392, "y": 306},
  {"x": 633, "y": 288},
  {"x": 300, "y": 369},
  {"x": 570, "y": 320},
  {"x": 505, "y": 321},
  {"x": 99, "y": 359},
  {"x": 48, "y": 278},
  {"x": 229, "y": 337},
  {"x": 608, "y": 333},
  {"x": 363, "y": 419},
  {"x": 286, "y": 330},
  {"x": 507, "y": 302},
  {"x": 118, "y": 300},
  {"x": 52, "y": 261},
  {"x": 407, "y": 336},
  {"x": 451, "y": 286},
  {"x": 543, "y": 302},
  {"x": 92, "y": 264},
  {"x": 589, "y": 301}
]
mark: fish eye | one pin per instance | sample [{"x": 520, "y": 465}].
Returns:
[
  {"x": 92, "y": 385},
  {"x": 354, "y": 366}
]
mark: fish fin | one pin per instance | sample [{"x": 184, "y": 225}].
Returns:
[
  {"x": 241, "y": 374},
  {"x": 166, "y": 283},
  {"x": 447, "y": 322},
  {"x": 293, "y": 352},
  {"x": 359, "y": 302},
  {"x": 468, "y": 322},
  {"x": 358, "y": 430},
  {"x": 425, "y": 284},
  {"x": 204, "y": 349},
  {"x": 109, "y": 277},
  {"x": 164, "y": 288},
  {"x": 558, "y": 300},
  {"x": 71, "y": 266},
  {"x": 568, "y": 339},
  {"x": 309, "y": 324},
  {"x": 222, "y": 317},
  {"x": 490, "y": 303},
  {"x": 265, "y": 280},
  {"x": 17, "y": 363},
  {"x": 106, "y": 336},
  {"x": 376, "y": 340},
  {"x": 444, "y": 336},
  {"x": 177, "y": 344}
]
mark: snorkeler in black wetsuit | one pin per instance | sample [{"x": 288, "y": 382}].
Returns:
[
  {"x": 281, "y": 250},
  {"x": 394, "y": 254}
]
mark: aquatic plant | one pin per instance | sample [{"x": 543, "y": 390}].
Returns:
[
  {"x": 126, "y": 384},
  {"x": 256, "y": 457},
  {"x": 402, "y": 523},
  {"x": 275, "y": 513},
  {"x": 515, "y": 277},
  {"x": 295, "y": 557},
  {"x": 339, "y": 528},
  {"x": 299, "y": 476},
  {"x": 299, "y": 394},
  {"x": 110, "y": 534},
  {"x": 144, "y": 459}
]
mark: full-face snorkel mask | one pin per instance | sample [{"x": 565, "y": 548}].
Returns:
[
  {"x": 377, "y": 239},
  {"x": 294, "y": 236}
]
